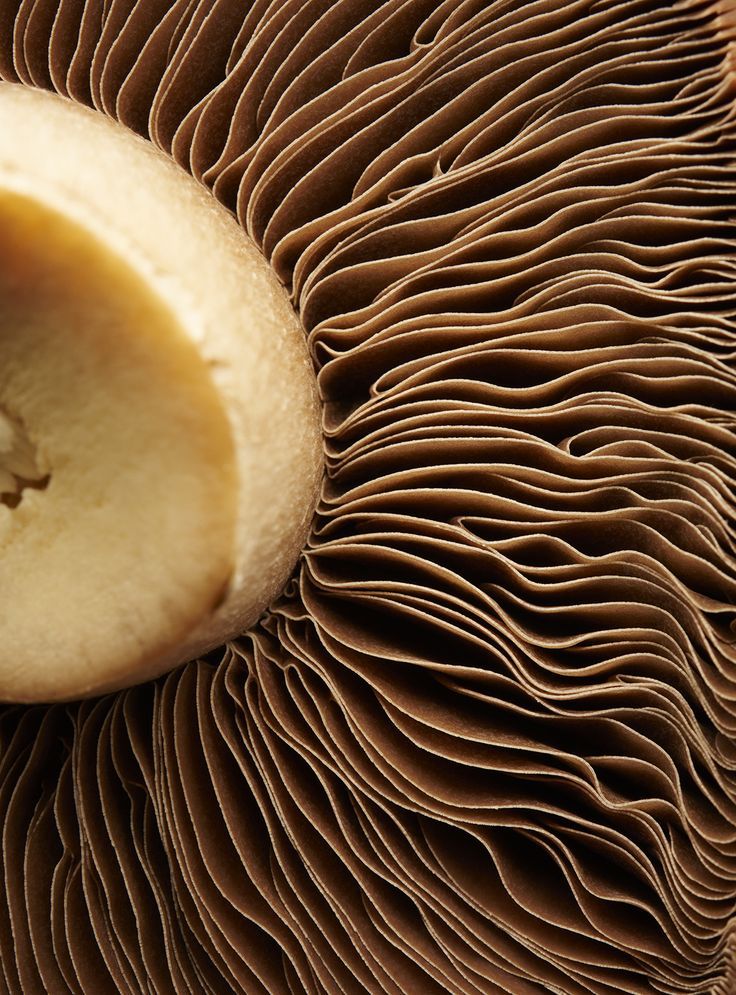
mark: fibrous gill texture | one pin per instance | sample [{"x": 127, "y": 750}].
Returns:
[{"x": 486, "y": 741}]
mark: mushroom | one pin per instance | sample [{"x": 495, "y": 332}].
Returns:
[{"x": 483, "y": 739}]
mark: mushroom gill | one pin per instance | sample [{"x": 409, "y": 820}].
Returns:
[{"x": 485, "y": 741}]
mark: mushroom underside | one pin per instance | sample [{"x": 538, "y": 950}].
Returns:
[{"x": 485, "y": 741}]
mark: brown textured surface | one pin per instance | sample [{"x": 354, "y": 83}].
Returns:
[{"x": 486, "y": 742}]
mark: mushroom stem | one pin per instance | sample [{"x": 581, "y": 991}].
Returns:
[{"x": 160, "y": 443}]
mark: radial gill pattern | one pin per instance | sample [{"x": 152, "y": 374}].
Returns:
[{"x": 486, "y": 741}]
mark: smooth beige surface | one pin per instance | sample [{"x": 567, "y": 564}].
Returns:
[
  {"x": 160, "y": 448},
  {"x": 129, "y": 543}
]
